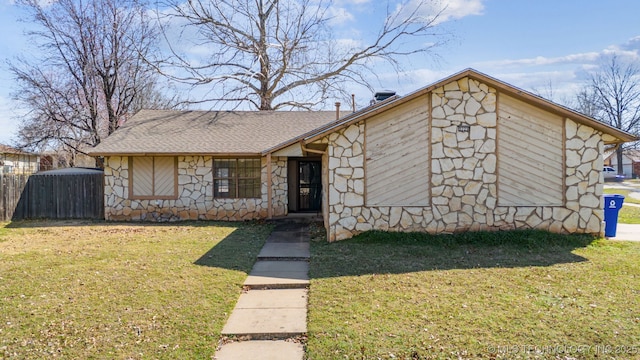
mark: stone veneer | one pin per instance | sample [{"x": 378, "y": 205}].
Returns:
[
  {"x": 463, "y": 175},
  {"x": 195, "y": 194}
]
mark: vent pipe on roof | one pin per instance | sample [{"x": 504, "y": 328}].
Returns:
[
  {"x": 337, "y": 110},
  {"x": 353, "y": 102},
  {"x": 383, "y": 95}
]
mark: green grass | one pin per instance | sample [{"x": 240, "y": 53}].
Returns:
[
  {"x": 623, "y": 192},
  {"x": 120, "y": 291},
  {"x": 629, "y": 215},
  {"x": 482, "y": 295}
]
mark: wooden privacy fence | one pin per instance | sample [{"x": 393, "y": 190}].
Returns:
[
  {"x": 11, "y": 186},
  {"x": 62, "y": 194}
]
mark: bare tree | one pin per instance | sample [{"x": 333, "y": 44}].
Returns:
[
  {"x": 614, "y": 90},
  {"x": 547, "y": 91},
  {"x": 92, "y": 73},
  {"x": 278, "y": 54},
  {"x": 586, "y": 102}
]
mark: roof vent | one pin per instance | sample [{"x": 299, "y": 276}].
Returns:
[{"x": 383, "y": 95}]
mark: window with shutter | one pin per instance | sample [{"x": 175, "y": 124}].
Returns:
[{"x": 153, "y": 177}]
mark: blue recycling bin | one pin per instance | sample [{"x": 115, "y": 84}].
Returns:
[{"x": 612, "y": 204}]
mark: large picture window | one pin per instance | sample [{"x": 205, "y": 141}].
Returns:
[
  {"x": 153, "y": 177},
  {"x": 236, "y": 178}
]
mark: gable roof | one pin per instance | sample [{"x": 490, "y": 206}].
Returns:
[
  {"x": 631, "y": 154},
  {"x": 501, "y": 86},
  {"x": 157, "y": 132}
]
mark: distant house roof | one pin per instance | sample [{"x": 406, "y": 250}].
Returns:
[
  {"x": 631, "y": 154},
  {"x": 6, "y": 149},
  {"x": 209, "y": 132},
  {"x": 70, "y": 171},
  {"x": 508, "y": 89},
  {"x": 634, "y": 155}
]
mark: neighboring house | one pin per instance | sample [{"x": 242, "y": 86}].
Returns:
[
  {"x": 466, "y": 153},
  {"x": 630, "y": 162},
  {"x": 52, "y": 160},
  {"x": 16, "y": 161}
]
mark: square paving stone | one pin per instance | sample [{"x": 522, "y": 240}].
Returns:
[
  {"x": 273, "y": 299},
  {"x": 261, "y": 350},
  {"x": 278, "y": 274},
  {"x": 285, "y": 250},
  {"x": 267, "y": 322}
]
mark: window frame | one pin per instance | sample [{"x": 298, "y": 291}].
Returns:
[
  {"x": 236, "y": 178},
  {"x": 132, "y": 196}
]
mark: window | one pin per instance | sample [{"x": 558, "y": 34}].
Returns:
[
  {"x": 153, "y": 177},
  {"x": 236, "y": 178}
]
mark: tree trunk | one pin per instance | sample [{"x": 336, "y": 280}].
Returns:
[{"x": 619, "y": 158}]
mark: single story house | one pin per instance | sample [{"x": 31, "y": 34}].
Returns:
[
  {"x": 630, "y": 162},
  {"x": 468, "y": 152},
  {"x": 16, "y": 161}
]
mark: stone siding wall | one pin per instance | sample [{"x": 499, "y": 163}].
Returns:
[
  {"x": 464, "y": 175},
  {"x": 195, "y": 194}
]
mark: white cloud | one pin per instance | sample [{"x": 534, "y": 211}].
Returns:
[
  {"x": 339, "y": 15},
  {"x": 629, "y": 50},
  {"x": 542, "y": 60},
  {"x": 353, "y": 2},
  {"x": 457, "y": 9},
  {"x": 632, "y": 44},
  {"x": 447, "y": 10}
]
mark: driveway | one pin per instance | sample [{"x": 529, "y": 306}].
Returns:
[{"x": 629, "y": 232}]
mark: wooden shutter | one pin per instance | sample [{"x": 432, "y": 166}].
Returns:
[
  {"x": 142, "y": 176},
  {"x": 164, "y": 176}
]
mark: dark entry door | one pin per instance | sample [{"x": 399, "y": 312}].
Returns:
[{"x": 310, "y": 185}]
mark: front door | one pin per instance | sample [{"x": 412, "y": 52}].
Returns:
[{"x": 309, "y": 185}]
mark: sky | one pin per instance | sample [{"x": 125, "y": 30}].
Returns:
[{"x": 544, "y": 46}]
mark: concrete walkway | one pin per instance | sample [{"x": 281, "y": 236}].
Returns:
[
  {"x": 272, "y": 311},
  {"x": 630, "y": 232}
]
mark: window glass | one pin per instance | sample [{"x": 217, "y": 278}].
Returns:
[{"x": 236, "y": 178}]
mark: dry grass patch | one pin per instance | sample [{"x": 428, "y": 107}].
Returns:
[
  {"x": 104, "y": 290},
  {"x": 623, "y": 192},
  {"x": 475, "y": 295}
]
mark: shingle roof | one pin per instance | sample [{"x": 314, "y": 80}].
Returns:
[
  {"x": 632, "y": 154},
  {"x": 209, "y": 132}
]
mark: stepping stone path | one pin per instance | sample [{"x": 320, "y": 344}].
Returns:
[{"x": 272, "y": 311}]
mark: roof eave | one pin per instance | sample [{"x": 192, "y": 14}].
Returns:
[
  {"x": 151, "y": 153},
  {"x": 521, "y": 94}
]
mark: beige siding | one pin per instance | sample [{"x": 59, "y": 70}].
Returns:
[
  {"x": 530, "y": 155},
  {"x": 164, "y": 176},
  {"x": 397, "y": 156},
  {"x": 142, "y": 176}
]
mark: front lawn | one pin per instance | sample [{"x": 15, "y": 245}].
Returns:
[
  {"x": 629, "y": 215},
  {"x": 80, "y": 290},
  {"x": 503, "y": 295},
  {"x": 623, "y": 192}
]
